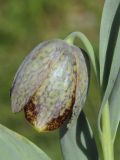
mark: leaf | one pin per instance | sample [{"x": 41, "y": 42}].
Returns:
[
  {"x": 77, "y": 142},
  {"x": 115, "y": 107},
  {"x": 117, "y": 144},
  {"x": 108, "y": 17},
  {"x": 109, "y": 57},
  {"x": 14, "y": 146}
]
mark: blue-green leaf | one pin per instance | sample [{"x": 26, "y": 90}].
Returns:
[
  {"x": 109, "y": 16},
  {"x": 109, "y": 50},
  {"x": 77, "y": 142},
  {"x": 117, "y": 144},
  {"x": 14, "y": 146},
  {"x": 115, "y": 106}
]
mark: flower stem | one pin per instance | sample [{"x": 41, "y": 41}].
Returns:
[
  {"x": 106, "y": 138},
  {"x": 70, "y": 40}
]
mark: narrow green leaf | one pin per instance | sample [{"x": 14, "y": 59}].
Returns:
[
  {"x": 77, "y": 142},
  {"x": 14, "y": 146},
  {"x": 115, "y": 107},
  {"x": 117, "y": 144},
  {"x": 109, "y": 12},
  {"x": 115, "y": 66},
  {"x": 112, "y": 55},
  {"x": 114, "y": 51}
]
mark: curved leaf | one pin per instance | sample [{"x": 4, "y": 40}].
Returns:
[
  {"x": 14, "y": 146},
  {"x": 77, "y": 142},
  {"x": 115, "y": 106},
  {"x": 109, "y": 57},
  {"x": 108, "y": 18}
]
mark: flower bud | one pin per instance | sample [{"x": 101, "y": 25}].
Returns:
[{"x": 51, "y": 84}]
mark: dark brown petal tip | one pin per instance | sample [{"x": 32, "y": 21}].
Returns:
[
  {"x": 30, "y": 113},
  {"x": 57, "y": 122}
]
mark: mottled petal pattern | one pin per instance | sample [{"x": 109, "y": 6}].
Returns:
[
  {"x": 82, "y": 83},
  {"x": 50, "y": 84},
  {"x": 33, "y": 71}
]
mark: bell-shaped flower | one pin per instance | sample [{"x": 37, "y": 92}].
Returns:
[{"x": 51, "y": 84}]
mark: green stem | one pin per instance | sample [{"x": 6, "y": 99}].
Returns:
[
  {"x": 70, "y": 40},
  {"x": 106, "y": 138}
]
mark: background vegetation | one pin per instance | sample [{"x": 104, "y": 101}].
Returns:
[{"x": 24, "y": 24}]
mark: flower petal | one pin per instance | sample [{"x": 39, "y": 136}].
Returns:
[
  {"x": 54, "y": 100},
  {"x": 82, "y": 83},
  {"x": 33, "y": 71}
]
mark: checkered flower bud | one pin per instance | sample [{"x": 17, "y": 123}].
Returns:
[{"x": 51, "y": 84}]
